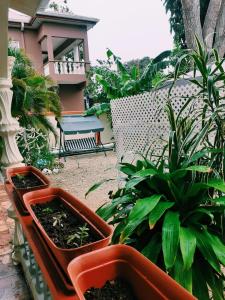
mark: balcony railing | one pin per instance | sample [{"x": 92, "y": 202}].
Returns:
[{"x": 66, "y": 67}]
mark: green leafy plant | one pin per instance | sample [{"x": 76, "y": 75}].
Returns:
[
  {"x": 20, "y": 176},
  {"x": 209, "y": 77},
  {"x": 107, "y": 84},
  {"x": 34, "y": 146},
  {"x": 170, "y": 208},
  {"x": 34, "y": 95},
  {"x": 78, "y": 238},
  {"x": 47, "y": 210}
]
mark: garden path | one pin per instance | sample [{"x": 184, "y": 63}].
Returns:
[{"x": 92, "y": 168}]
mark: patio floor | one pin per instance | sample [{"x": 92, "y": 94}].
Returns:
[{"x": 12, "y": 283}]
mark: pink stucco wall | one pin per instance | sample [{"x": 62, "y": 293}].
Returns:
[
  {"x": 28, "y": 41},
  {"x": 70, "y": 86},
  {"x": 56, "y": 30}
]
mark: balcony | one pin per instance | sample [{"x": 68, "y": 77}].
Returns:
[{"x": 66, "y": 72}]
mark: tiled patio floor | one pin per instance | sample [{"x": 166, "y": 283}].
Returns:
[{"x": 12, "y": 284}]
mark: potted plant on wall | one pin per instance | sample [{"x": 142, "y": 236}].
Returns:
[
  {"x": 68, "y": 226},
  {"x": 171, "y": 207},
  {"x": 121, "y": 272},
  {"x": 21, "y": 180}
]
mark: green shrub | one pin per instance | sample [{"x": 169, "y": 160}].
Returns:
[
  {"x": 34, "y": 95},
  {"x": 171, "y": 208},
  {"x": 106, "y": 84},
  {"x": 34, "y": 147}
]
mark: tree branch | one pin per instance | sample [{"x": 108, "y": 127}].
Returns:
[
  {"x": 192, "y": 22},
  {"x": 210, "y": 22},
  {"x": 220, "y": 31}
]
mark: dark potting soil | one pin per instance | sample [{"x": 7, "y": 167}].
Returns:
[
  {"x": 26, "y": 181},
  {"x": 117, "y": 289},
  {"x": 63, "y": 227}
]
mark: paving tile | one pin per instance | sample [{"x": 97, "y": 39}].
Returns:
[{"x": 12, "y": 285}]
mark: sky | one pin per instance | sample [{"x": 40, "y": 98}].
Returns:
[{"x": 130, "y": 28}]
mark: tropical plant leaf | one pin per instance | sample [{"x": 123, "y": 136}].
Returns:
[
  {"x": 205, "y": 247},
  {"x": 187, "y": 246},
  {"x": 157, "y": 212},
  {"x": 218, "y": 184},
  {"x": 200, "y": 288},
  {"x": 202, "y": 169},
  {"x": 181, "y": 275},
  {"x": 133, "y": 182},
  {"x": 152, "y": 249},
  {"x": 170, "y": 237},
  {"x": 97, "y": 185},
  {"x": 138, "y": 213},
  {"x": 218, "y": 247},
  {"x": 145, "y": 173}
]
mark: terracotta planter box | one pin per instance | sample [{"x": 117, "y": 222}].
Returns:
[
  {"x": 121, "y": 261},
  {"x": 11, "y": 172},
  {"x": 81, "y": 211}
]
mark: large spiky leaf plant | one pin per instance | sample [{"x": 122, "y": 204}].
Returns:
[
  {"x": 209, "y": 77},
  {"x": 34, "y": 95},
  {"x": 170, "y": 208}
]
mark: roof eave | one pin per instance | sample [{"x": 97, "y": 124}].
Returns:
[{"x": 28, "y": 7}]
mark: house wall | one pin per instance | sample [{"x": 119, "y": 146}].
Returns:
[
  {"x": 56, "y": 30},
  {"x": 72, "y": 98},
  {"x": 70, "y": 89},
  {"x": 29, "y": 42}
]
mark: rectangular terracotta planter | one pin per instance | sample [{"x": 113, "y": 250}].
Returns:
[
  {"x": 17, "y": 194},
  {"x": 98, "y": 226},
  {"x": 121, "y": 261}
]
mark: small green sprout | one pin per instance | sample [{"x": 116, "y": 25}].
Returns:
[
  {"x": 58, "y": 220},
  {"x": 48, "y": 210},
  {"x": 79, "y": 236}
]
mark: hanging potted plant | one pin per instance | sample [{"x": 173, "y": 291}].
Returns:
[
  {"x": 68, "y": 226},
  {"x": 21, "y": 180},
  {"x": 121, "y": 272}
]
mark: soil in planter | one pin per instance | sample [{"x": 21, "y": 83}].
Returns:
[
  {"x": 63, "y": 227},
  {"x": 26, "y": 181},
  {"x": 117, "y": 289}
]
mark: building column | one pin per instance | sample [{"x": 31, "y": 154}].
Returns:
[
  {"x": 9, "y": 126},
  {"x": 50, "y": 55}
]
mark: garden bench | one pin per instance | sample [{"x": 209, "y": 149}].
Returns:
[{"x": 72, "y": 125}]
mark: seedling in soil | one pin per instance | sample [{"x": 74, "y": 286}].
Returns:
[
  {"x": 47, "y": 210},
  {"x": 58, "y": 220},
  {"x": 20, "y": 176},
  {"x": 80, "y": 236},
  {"x": 25, "y": 181},
  {"x": 63, "y": 226}
]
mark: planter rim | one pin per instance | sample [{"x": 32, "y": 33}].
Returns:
[
  {"x": 52, "y": 191},
  {"x": 87, "y": 262},
  {"x": 11, "y": 172}
]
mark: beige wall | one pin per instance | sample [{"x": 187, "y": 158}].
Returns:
[
  {"x": 71, "y": 97},
  {"x": 28, "y": 41}
]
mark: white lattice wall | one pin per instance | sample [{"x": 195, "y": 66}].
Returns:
[{"x": 140, "y": 120}]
